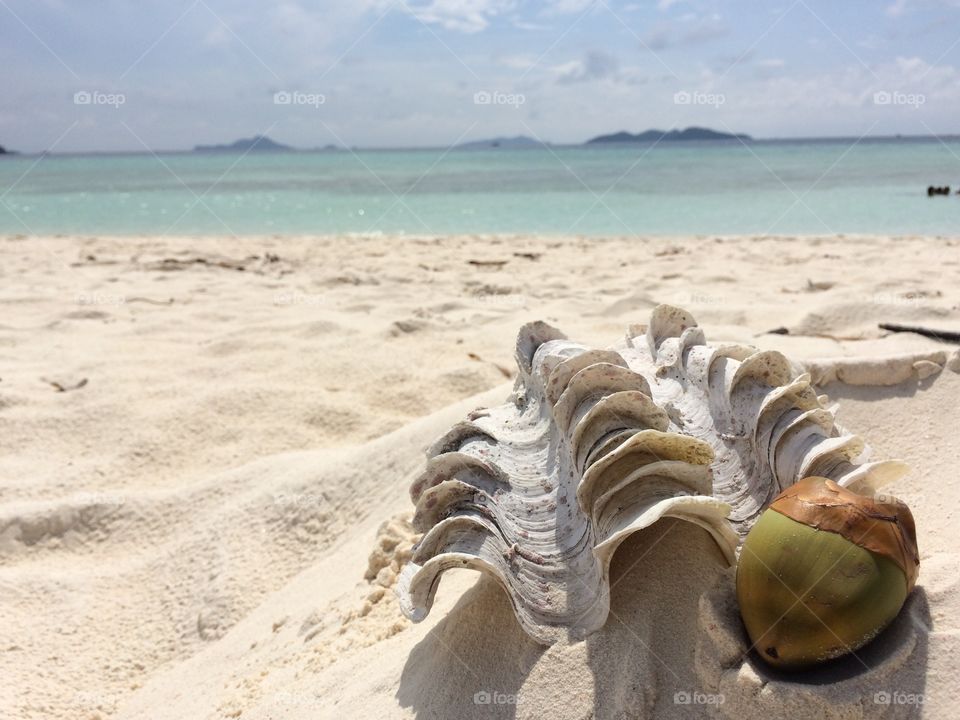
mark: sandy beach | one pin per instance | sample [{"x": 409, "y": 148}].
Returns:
[{"x": 206, "y": 446}]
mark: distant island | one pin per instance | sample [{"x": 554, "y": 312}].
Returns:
[
  {"x": 520, "y": 141},
  {"x": 3, "y": 151},
  {"x": 649, "y": 136},
  {"x": 258, "y": 143}
]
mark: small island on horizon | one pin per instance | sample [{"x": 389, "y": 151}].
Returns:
[
  {"x": 262, "y": 143},
  {"x": 257, "y": 143},
  {"x": 650, "y": 136}
]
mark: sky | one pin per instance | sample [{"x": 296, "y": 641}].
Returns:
[{"x": 139, "y": 75}]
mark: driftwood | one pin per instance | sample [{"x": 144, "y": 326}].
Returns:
[
  {"x": 488, "y": 263},
  {"x": 64, "y": 386},
  {"x": 942, "y": 335},
  {"x": 151, "y": 301}
]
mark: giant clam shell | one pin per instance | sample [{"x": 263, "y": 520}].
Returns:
[{"x": 597, "y": 444}]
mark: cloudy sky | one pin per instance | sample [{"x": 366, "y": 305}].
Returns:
[{"x": 165, "y": 75}]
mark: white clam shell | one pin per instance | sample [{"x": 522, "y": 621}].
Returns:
[{"x": 598, "y": 444}]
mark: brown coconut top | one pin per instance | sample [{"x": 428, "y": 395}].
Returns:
[{"x": 886, "y": 528}]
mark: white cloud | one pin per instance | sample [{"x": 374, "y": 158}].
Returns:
[
  {"x": 305, "y": 32},
  {"x": 468, "y": 16},
  {"x": 900, "y": 7},
  {"x": 897, "y": 8},
  {"x": 521, "y": 24},
  {"x": 688, "y": 30},
  {"x": 855, "y": 86},
  {"x": 566, "y": 7},
  {"x": 595, "y": 66},
  {"x": 472, "y": 16}
]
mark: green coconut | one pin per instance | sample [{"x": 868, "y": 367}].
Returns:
[{"x": 823, "y": 571}]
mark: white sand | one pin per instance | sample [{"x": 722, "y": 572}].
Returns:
[{"x": 187, "y": 534}]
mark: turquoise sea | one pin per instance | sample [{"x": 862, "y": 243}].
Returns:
[{"x": 827, "y": 186}]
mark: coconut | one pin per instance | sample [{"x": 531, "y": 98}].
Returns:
[{"x": 823, "y": 571}]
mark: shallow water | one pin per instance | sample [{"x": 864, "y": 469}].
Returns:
[{"x": 678, "y": 188}]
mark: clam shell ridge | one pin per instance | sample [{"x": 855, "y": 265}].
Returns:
[{"x": 594, "y": 445}]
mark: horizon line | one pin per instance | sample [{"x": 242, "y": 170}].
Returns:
[{"x": 735, "y": 137}]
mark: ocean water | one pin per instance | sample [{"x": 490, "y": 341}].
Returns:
[{"x": 721, "y": 187}]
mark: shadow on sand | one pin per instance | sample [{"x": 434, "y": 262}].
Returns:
[
  {"x": 473, "y": 663},
  {"x": 632, "y": 667}
]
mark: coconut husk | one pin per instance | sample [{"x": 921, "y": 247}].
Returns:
[{"x": 886, "y": 528}]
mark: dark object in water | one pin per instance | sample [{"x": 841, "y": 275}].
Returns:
[
  {"x": 933, "y": 190},
  {"x": 942, "y": 335}
]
